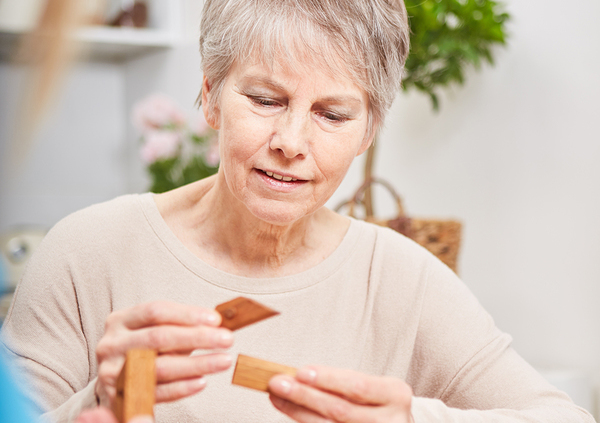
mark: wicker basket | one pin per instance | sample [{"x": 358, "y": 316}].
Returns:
[{"x": 441, "y": 237}]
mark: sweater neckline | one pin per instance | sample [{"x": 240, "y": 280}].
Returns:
[{"x": 241, "y": 284}]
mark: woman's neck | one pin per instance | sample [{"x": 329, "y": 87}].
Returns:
[{"x": 222, "y": 232}]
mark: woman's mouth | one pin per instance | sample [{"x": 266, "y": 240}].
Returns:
[{"x": 279, "y": 177}]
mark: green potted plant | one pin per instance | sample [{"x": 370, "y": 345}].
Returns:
[{"x": 447, "y": 37}]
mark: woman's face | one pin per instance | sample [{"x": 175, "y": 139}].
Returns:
[{"x": 286, "y": 137}]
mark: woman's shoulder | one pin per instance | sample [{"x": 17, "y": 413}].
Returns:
[
  {"x": 396, "y": 257},
  {"x": 393, "y": 244},
  {"x": 98, "y": 222},
  {"x": 80, "y": 244},
  {"x": 119, "y": 207}
]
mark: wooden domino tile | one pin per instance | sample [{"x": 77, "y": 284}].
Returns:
[
  {"x": 242, "y": 311},
  {"x": 136, "y": 386},
  {"x": 255, "y": 373}
]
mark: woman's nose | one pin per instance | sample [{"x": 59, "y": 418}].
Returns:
[{"x": 292, "y": 136}]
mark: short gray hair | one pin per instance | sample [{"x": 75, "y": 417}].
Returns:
[{"x": 371, "y": 37}]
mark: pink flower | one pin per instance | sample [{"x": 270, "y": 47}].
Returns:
[
  {"x": 155, "y": 112},
  {"x": 212, "y": 157},
  {"x": 160, "y": 145}
]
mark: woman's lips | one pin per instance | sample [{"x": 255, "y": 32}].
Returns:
[
  {"x": 281, "y": 176},
  {"x": 285, "y": 184}
]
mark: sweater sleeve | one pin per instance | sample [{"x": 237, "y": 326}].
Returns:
[
  {"x": 44, "y": 335},
  {"x": 465, "y": 370}
]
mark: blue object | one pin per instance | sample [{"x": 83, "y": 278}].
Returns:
[{"x": 14, "y": 407}]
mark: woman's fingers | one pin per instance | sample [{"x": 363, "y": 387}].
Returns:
[
  {"x": 296, "y": 412},
  {"x": 173, "y": 368},
  {"x": 320, "y": 403},
  {"x": 165, "y": 327},
  {"x": 104, "y": 415},
  {"x": 357, "y": 387},
  {"x": 180, "y": 389},
  {"x": 167, "y": 313},
  {"x": 97, "y": 415},
  {"x": 164, "y": 339},
  {"x": 341, "y": 396},
  {"x": 176, "y": 376},
  {"x": 174, "y": 331}
]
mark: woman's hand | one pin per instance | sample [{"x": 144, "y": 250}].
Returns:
[
  {"x": 325, "y": 394},
  {"x": 174, "y": 331},
  {"x": 104, "y": 415}
]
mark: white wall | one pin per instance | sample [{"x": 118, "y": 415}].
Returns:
[
  {"x": 78, "y": 156},
  {"x": 514, "y": 154}
]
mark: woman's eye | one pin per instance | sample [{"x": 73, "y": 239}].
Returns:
[
  {"x": 334, "y": 117},
  {"x": 263, "y": 101}
]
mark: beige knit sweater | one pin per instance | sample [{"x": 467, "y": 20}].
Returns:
[{"x": 379, "y": 304}]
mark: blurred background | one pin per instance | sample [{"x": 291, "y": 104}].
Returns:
[{"x": 513, "y": 154}]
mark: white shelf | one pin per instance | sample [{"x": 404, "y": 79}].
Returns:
[
  {"x": 106, "y": 43},
  {"x": 125, "y": 43}
]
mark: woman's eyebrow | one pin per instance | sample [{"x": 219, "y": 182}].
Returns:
[
  {"x": 340, "y": 99},
  {"x": 264, "y": 81}
]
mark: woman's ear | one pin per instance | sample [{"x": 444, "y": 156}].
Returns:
[
  {"x": 209, "y": 108},
  {"x": 366, "y": 143},
  {"x": 369, "y": 140}
]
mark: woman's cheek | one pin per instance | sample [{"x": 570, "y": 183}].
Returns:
[
  {"x": 338, "y": 155},
  {"x": 245, "y": 136}
]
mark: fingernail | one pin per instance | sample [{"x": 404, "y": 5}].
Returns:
[
  {"x": 282, "y": 385},
  {"x": 226, "y": 361},
  {"x": 221, "y": 362},
  {"x": 199, "y": 383},
  {"x": 142, "y": 419},
  {"x": 307, "y": 375},
  {"x": 209, "y": 318},
  {"x": 224, "y": 337}
]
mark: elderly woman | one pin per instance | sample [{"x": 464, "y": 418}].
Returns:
[{"x": 380, "y": 330}]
